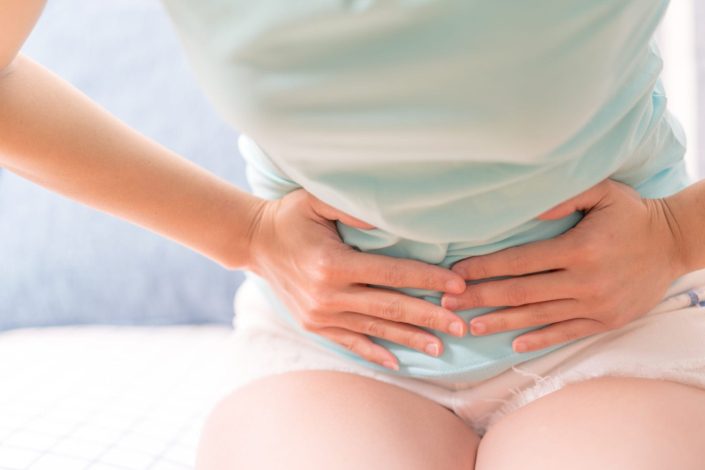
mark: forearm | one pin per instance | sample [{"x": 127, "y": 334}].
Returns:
[
  {"x": 687, "y": 222},
  {"x": 54, "y": 135}
]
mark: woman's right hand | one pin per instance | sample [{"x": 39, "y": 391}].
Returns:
[{"x": 295, "y": 246}]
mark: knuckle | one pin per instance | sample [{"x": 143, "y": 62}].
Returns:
[
  {"x": 418, "y": 341},
  {"x": 351, "y": 344},
  {"x": 316, "y": 309},
  {"x": 375, "y": 328},
  {"x": 477, "y": 269},
  {"x": 393, "y": 310},
  {"x": 318, "y": 318},
  {"x": 474, "y": 295},
  {"x": 500, "y": 323},
  {"x": 319, "y": 275},
  {"x": 599, "y": 290},
  {"x": 568, "y": 335},
  {"x": 541, "y": 316},
  {"x": 325, "y": 301},
  {"x": 392, "y": 277},
  {"x": 431, "y": 320},
  {"x": 460, "y": 268},
  {"x": 316, "y": 292},
  {"x": 517, "y": 295},
  {"x": 590, "y": 251},
  {"x": 518, "y": 263},
  {"x": 323, "y": 268},
  {"x": 309, "y": 323},
  {"x": 431, "y": 280}
]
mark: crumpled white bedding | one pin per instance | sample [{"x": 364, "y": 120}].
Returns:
[{"x": 107, "y": 398}]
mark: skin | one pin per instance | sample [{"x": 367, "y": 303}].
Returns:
[
  {"x": 576, "y": 282},
  {"x": 336, "y": 302},
  {"x": 52, "y": 134},
  {"x": 327, "y": 419}
]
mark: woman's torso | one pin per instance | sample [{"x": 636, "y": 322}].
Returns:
[{"x": 447, "y": 124}]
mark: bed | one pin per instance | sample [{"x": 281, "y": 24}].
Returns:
[{"x": 108, "y": 398}]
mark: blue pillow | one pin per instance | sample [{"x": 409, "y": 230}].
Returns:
[{"x": 65, "y": 263}]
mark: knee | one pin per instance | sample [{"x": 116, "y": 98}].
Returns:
[
  {"x": 321, "y": 420},
  {"x": 607, "y": 423}
]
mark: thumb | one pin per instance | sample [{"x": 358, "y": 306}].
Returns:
[
  {"x": 586, "y": 200},
  {"x": 331, "y": 213}
]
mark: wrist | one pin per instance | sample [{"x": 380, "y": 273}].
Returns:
[
  {"x": 681, "y": 216},
  {"x": 255, "y": 229},
  {"x": 672, "y": 241},
  {"x": 241, "y": 226}
]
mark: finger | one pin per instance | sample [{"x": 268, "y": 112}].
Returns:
[
  {"x": 362, "y": 346},
  {"x": 331, "y": 213},
  {"x": 583, "y": 201},
  {"x": 534, "y": 257},
  {"x": 558, "y": 333},
  {"x": 368, "y": 268},
  {"x": 402, "y": 308},
  {"x": 516, "y": 318},
  {"x": 400, "y": 333},
  {"x": 514, "y": 291}
]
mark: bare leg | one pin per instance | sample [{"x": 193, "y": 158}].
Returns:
[
  {"x": 608, "y": 423},
  {"x": 327, "y": 419}
]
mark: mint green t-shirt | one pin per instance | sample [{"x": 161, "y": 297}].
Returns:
[{"x": 448, "y": 124}]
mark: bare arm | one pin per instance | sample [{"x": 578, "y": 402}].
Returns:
[{"x": 54, "y": 135}]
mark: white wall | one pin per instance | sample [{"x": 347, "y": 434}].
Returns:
[
  {"x": 699, "y": 20},
  {"x": 677, "y": 41}
]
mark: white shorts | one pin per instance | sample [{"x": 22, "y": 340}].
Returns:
[{"x": 666, "y": 343}]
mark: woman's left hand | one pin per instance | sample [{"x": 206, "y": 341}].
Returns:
[{"x": 614, "y": 266}]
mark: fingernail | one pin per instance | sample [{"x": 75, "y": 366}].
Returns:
[
  {"x": 390, "y": 365},
  {"x": 432, "y": 349},
  {"x": 478, "y": 327},
  {"x": 521, "y": 347},
  {"x": 456, "y": 328}
]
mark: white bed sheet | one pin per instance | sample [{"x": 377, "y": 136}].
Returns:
[{"x": 108, "y": 398}]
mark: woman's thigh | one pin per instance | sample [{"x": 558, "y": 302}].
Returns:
[
  {"x": 606, "y": 423},
  {"x": 317, "y": 419}
]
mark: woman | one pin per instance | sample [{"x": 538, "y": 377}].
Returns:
[{"x": 419, "y": 164}]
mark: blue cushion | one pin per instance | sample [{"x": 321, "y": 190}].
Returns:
[{"x": 64, "y": 263}]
